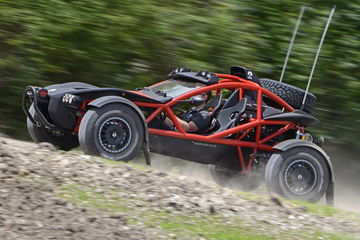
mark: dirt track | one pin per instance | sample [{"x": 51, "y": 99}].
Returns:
[{"x": 48, "y": 194}]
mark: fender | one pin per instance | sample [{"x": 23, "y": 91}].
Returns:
[
  {"x": 288, "y": 144},
  {"x": 102, "y": 101}
]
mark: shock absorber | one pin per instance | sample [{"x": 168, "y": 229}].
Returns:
[{"x": 300, "y": 134}]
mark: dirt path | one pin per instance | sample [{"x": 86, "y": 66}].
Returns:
[{"x": 49, "y": 194}]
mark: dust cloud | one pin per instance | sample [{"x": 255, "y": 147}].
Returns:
[
  {"x": 346, "y": 164},
  {"x": 189, "y": 169}
]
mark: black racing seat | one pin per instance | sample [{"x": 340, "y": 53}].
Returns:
[
  {"x": 245, "y": 73},
  {"x": 215, "y": 103},
  {"x": 230, "y": 112}
]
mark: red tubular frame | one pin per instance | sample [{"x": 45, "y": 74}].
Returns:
[
  {"x": 226, "y": 82},
  {"x": 82, "y": 113}
]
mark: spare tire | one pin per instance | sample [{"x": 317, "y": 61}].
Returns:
[{"x": 290, "y": 94}]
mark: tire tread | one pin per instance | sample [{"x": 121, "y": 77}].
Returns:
[{"x": 290, "y": 94}]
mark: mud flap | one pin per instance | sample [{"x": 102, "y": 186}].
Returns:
[
  {"x": 330, "y": 195},
  {"x": 146, "y": 150}
]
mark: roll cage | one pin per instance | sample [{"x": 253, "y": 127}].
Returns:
[{"x": 255, "y": 123}]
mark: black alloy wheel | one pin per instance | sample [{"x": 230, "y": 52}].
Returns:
[
  {"x": 114, "y": 131},
  {"x": 300, "y": 173},
  {"x": 300, "y": 177},
  {"x": 115, "y": 135}
]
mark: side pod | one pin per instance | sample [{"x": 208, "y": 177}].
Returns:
[{"x": 288, "y": 144}]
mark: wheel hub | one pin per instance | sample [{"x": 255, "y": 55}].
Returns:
[
  {"x": 114, "y": 135},
  {"x": 300, "y": 177}
]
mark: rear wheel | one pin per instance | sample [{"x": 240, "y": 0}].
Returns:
[
  {"x": 62, "y": 140},
  {"x": 235, "y": 180},
  {"x": 298, "y": 173},
  {"x": 114, "y": 131}
]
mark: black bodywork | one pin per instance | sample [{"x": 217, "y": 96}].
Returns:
[
  {"x": 196, "y": 151},
  {"x": 56, "y": 114}
]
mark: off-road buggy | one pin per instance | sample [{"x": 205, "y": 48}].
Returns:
[
  {"x": 257, "y": 127},
  {"x": 257, "y": 131}
]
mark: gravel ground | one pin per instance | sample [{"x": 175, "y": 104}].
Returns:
[{"x": 50, "y": 194}]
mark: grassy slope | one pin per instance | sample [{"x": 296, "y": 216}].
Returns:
[{"x": 190, "y": 227}]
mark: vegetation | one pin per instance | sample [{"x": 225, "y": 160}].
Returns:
[
  {"x": 183, "y": 226},
  {"x": 127, "y": 44}
]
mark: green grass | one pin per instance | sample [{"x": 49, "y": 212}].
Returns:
[
  {"x": 183, "y": 226},
  {"x": 326, "y": 211},
  {"x": 87, "y": 196},
  {"x": 210, "y": 227},
  {"x": 211, "y": 230}
]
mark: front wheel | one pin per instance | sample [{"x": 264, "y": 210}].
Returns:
[
  {"x": 299, "y": 173},
  {"x": 114, "y": 131}
]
